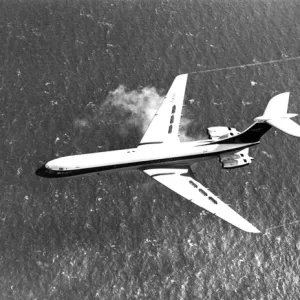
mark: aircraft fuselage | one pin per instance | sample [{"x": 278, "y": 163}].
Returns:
[{"x": 148, "y": 155}]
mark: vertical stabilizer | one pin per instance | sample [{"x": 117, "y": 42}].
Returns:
[{"x": 277, "y": 106}]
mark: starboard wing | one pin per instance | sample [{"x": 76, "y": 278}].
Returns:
[
  {"x": 182, "y": 182},
  {"x": 165, "y": 125}
]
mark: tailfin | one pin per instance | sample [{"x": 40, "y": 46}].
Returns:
[{"x": 274, "y": 115}]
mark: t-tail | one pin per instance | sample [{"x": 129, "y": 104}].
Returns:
[{"x": 274, "y": 115}]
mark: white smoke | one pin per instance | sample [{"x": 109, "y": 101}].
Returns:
[
  {"x": 143, "y": 104},
  {"x": 184, "y": 124}
]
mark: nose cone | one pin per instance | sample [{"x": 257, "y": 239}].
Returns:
[{"x": 43, "y": 171}]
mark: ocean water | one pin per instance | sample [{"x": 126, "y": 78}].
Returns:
[{"x": 122, "y": 236}]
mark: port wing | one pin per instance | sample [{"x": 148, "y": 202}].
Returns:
[
  {"x": 165, "y": 125},
  {"x": 182, "y": 182}
]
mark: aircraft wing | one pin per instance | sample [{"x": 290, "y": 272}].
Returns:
[
  {"x": 182, "y": 182},
  {"x": 165, "y": 125}
]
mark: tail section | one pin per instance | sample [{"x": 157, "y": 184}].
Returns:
[
  {"x": 274, "y": 115},
  {"x": 277, "y": 106},
  {"x": 286, "y": 125}
]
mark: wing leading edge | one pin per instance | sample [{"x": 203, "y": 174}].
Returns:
[{"x": 181, "y": 181}]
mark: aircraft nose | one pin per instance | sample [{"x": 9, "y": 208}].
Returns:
[{"x": 44, "y": 171}]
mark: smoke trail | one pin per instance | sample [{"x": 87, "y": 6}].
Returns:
[
  {"x": 282, "y": 225},
  {"x": 141, "y": 103},
  {"x": 248, "y": 65}
]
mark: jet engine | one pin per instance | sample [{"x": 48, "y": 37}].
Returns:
[
  {"x": 218, "y": 132},
  {"x": 236, "y": 160}
]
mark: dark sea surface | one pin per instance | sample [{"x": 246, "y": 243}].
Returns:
[{"x": 123, "y": 236}]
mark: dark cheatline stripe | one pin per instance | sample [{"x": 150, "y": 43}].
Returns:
[
  {"x": 251, "y": 135},
  {"x": 159, "y": 163},
  {"x": 159, "y": 174},
  {"x": 150, "y": 143}
]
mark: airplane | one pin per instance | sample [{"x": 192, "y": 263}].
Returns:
[{"x": 164, "y": 158}]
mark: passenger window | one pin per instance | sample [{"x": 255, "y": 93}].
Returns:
[
  {"x": 245, "y": 160},
  {"x": 173, "y": 109},
  {"x": 170, "y": 129}
]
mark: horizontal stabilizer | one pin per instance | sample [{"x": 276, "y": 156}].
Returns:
[
  {"x": 276, "y": 115},
  {"x": 286, "y": 125}
]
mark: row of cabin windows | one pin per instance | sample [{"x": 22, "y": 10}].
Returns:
[{"x": 203, "y": 192}]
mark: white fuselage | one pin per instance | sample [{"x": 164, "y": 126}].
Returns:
[{"x": 143, "y": 156}]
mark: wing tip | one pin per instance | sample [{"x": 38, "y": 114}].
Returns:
[
  {"x": 251, "y": 229},
  {"x": 183, "y": 76}
]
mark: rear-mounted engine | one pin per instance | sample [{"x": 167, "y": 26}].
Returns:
[
  {"x": 235, "y": 163},
  {"x": 236, "y": 160},
  {"x": 220, "y": 132}
]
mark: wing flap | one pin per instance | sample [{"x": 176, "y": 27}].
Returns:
[{"x": 181, "y": 181}]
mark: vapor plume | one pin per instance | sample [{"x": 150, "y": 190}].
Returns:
[{"x": 143, "y": 104}]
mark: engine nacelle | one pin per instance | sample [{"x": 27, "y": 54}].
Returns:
[
  {"x": 235, "y": 163},
  {"x": 218, "y": 132},
  {"x": 236, "y": 160}
]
